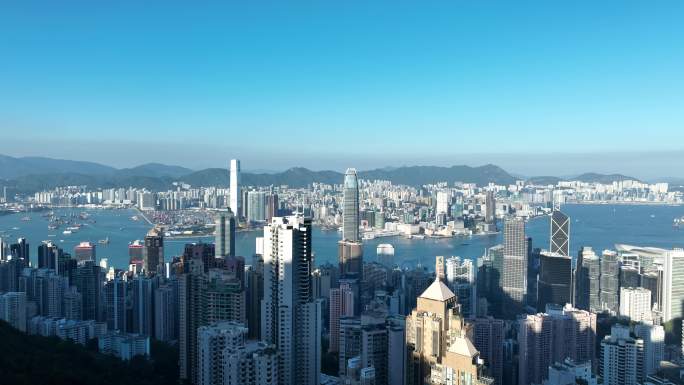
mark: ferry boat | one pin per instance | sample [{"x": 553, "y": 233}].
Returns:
[{"x": 66, "y": 232}]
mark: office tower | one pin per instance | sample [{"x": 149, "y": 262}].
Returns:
[
  {"x": 256, "y": 208},
  {"x": 142, "y": 304},
  {"x": 442, "y": 206},
  {"x": 225, "y": 234},
  {"x": 622, "y": 357},
  {"x": 673, "y": 285},
  {"x": 272, "y": 206},
  {"x": 350, "y": 208},
  {"x": 85, "y": 251},
  {"x": 88, "y": 281},
  {"x": 609, "y": 282},
  {"x": 13, "y": 309},
  {"x": 545, "y": 338},
  {"x": 570, "y": 372},
  {"x": 48, "y": 255},
  {"x": 117, "y": 304},
  {"x": 350, "y": 256},
  {"x": 488, "y": 338},
  {"x": 460, "y": 277},
  {"x": 490, "y": 207},
  {"x": 212, "y": 341},
  {"x": 439, "y": 267},
  {"x": 511, "y": 268},
  {"x": 654, "y": 345},
  {"x": 154, "y": 251},
  {"x": 374, "y": 345},
  {"x": 587, "y": 281},
  {"x": 3, "y": 250},
  {"x": 560, "y": 233},
  {"x": 555, "y": 280},
  {"x": 635, "y": 303},
  {"x": 385, "y": 254},
  {"x": 136, "y": 254},
  {"x": 166, "y": 311},
  {"x": 427, "y": 330},
  {"x": 291, "y": 319},
  {"x": 341, "y": 305},
  {"x": 533, "y": 265}
]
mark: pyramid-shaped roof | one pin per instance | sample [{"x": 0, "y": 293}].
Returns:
[
  {"x": 463, "y": 346},
  {"x": 438, "y": 291}
]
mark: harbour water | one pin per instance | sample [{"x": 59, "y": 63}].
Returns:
[{"x": 598, "y": 226}]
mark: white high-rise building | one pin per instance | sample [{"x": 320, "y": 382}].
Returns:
[
  {"x": 442, "y": 203},
  {"x": 635, "y": 303},
  {"x": 673, "y": 284},
  {"x": 291, "y": 319},
  {"x": 622, "y": 357},
  {"x": 654, "y": 345},
  {"x": 235, "y": 195}
]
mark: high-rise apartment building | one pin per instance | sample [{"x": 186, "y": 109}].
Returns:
[
  {"x": 545, "y": 338},
  {"x": 13, "y": 309},
  {"x": 490, "y": 207},
  {"x": 488, "y": 338},
  {"x": 635, "y": 303},
  {"x": 460, "y": 277},
  {"x": 622, "y": 357},
  {"x": 291, "y": 319},
  {"x": 673, "y": 285}
]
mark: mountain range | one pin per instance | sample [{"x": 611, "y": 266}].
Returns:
[{"x": 29, "y": 174}]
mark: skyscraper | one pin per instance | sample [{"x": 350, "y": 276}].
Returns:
[
  {"x": 490, "y": 207},
  {"x": 460, "y": 277},
  {"x": 235, "y": 195},
  {"x": 488, "y": 337},
  {"x": 635, "y": 303},
  {"x": 513, "y": 272},
  {"x": 350, "y": 213},
  {"x": 555, "y": 280},
  {"x": 673, "y": 285},
  {"x": 225, "y": 234},
  {"x": 427, "y": 330},
  {"x": 610, "y": 282},
  {"x": 291, "y": 319},
  {"x": 154, "y": 250},
  {"x": 588, "y": 280},
  {"x": 560, "y": 233}
]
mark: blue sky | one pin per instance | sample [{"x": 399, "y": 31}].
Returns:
[{"x": 329, "y": 84}]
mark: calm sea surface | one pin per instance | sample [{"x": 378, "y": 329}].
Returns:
[{"x": 599, "y": 226}]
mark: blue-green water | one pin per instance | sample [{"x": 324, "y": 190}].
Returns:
[{"x": 599, "y": 226}]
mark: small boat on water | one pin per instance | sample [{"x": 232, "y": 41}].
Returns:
[
  {"x": 25, "y": 219},
  {"x": 66, "y": 232},
  {"x": 104, "y": 241}
]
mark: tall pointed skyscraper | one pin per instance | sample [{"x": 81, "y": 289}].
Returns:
[
  {"x": 350, "y": 249},
  {"x": 235, "y": 195},
  {"x": 350, "y": 218}
]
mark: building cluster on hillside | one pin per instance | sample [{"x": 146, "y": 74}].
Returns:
[{"x": 517, "y": 315}]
